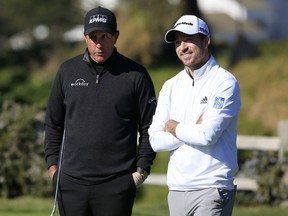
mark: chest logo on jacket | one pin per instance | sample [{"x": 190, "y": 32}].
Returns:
[
  {"x": 204, "y": 100},
  {"x": 80, "y": 82}
]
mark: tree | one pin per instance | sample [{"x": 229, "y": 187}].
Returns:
[
  {"x": 19, "y": 20},
  {"x": 142, "y": 26},
  {"x": 16, "y": 16},
  {"x": 22, "y": 170},
  {"x": 22, "y": 18}
]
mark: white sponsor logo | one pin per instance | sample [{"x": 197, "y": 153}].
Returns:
[
  {"x": 79, "y": 82},
  {"x": 98, "y": 19}
]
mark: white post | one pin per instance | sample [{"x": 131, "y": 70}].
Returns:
[{"x": 283, "y": 135}]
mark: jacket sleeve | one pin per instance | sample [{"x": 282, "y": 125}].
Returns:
[
  {"x": 146, "y": 103},
  {"x": 159, "y": 139},
  {"x": 222, "y": 110},
  {"x": 54, "y": 123}
]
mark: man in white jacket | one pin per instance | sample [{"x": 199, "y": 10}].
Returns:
[{"x": 196, "y": 121}]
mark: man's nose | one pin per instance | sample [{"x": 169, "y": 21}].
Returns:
[{"x": 183, "y": 45}]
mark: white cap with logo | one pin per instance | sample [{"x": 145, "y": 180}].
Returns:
[{"x": 187, "y": 24}]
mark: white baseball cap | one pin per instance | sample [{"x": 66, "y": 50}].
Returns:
[{"x": 187, "y": 24}]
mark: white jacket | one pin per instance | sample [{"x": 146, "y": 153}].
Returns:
[{"x": 203, "y": 155}]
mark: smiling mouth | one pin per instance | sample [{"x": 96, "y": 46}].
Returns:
[{"x": 186, "y": 55}]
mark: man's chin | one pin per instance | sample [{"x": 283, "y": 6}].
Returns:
[{"x": 99, "y": 59}]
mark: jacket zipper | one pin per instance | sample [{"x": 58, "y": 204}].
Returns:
[{"x": 97, "y": 79}]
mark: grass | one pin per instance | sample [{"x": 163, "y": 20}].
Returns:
[
  {"x": 151, "y": 201},
  {"x": 160, "y": 75},
  {"x": 25, "y": 206}
]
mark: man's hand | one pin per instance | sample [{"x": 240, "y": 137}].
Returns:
[
  {"x": 139, "y": 176},
  {"x": 138, "y": 179},
  {"x": 170, "y": 126},
  {"x": 51, "y": 171},
  {"x": 199, "y": 121}
]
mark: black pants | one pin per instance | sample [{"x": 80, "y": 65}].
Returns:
[{"x": 113, "y": 198}]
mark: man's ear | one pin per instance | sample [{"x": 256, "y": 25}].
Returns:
[
  {"x": 117, "y": 33},
  {"x": 207, "y": 41}
]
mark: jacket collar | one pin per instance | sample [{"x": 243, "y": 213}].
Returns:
[
  {"x": 205, "y": 69},
  {"x": 86, "y": 57}
]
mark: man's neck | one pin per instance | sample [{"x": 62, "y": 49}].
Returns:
[{"x": 190, "y": 70}]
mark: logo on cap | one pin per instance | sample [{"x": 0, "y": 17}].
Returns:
[
  {"x": 98, "y": 19},
  {"x": 204, "y": 30},
  {"x": 183, "y": 23}
]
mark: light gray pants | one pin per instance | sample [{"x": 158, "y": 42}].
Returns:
[{"x": 208, "y": 202}]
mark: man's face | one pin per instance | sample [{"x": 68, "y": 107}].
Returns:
[
  {"x": 100, "y": 45},
  {"x": 192, "y": 50}
]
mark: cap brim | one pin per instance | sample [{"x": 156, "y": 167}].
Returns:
[
  {"x": 170, "y": 36},
  {"x": 90, "y": 30}
]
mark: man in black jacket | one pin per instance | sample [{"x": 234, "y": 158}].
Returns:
[{"x": 99, "y": 102}]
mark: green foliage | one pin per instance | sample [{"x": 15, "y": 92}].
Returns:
[
  {"x": 20, "y": 19},
  {"x": 16, "y": 86},
  {"x": 160, "y": 75},
  {"x": 253, "y": 126},
  {"x": 265, "y": 167},
  {"x": 16, "y": 16},
  {"x": 11, "y": 76},
  {"x": 142, "y": 26},
  {"x": 263, "y": 83},
  {"x": 272, "y": 189},
  {"x": 160, "y": 163},
  {"x": 22, "y": 166}
]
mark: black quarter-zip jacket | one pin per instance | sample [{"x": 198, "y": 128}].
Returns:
[{"x": 100, "y": 107}]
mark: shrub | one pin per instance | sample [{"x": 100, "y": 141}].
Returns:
[{"x": 22, "y": 170}]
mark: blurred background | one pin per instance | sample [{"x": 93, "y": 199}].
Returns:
[{"x": 249, "y": 38}]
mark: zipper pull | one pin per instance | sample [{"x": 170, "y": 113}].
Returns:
[{"x": 97, "y": 79}]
